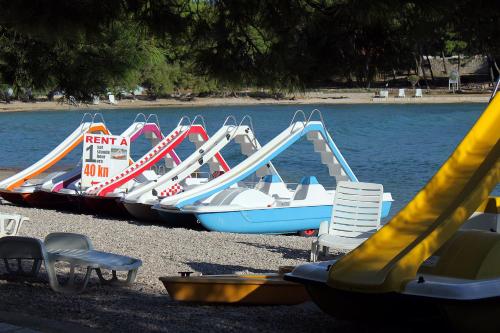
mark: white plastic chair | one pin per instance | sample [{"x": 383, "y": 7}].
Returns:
[
  {"x": 356, "y": 215},
  {"x": 401, "y": 93},
  {"x": 418, "y": 92},
  {"x": 111, "y": 99},
  {"x": 384, "y": 93},
  {"x": 10, "y": 224}
]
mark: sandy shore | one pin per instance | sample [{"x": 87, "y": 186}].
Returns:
[{"x": 309, "y": 98}]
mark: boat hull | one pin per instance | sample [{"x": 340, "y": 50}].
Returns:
[
  {"x": 283, "y": 220},
  {"x": 108, "y": 206},
  {"x": 142, "y": 211},
  {"x": 16, "y": 198},
  {"x": 235, "y": 289},
  {"x": 461, "y": 315},
  {"x": 259, "y": 221},
  {"x": 51, "y": 200},
  {"x": 179, "y": 219}
]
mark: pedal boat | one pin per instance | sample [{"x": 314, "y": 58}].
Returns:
[
  {"x": 270, "y": 207},
  {"x": 28, "y": 193},
  {"x": 459, "y": 284}
]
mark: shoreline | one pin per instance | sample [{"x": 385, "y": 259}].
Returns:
[{"x": 310, "y": 98}]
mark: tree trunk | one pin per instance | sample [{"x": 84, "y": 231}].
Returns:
[
  {"x": 490, "y": 65},
  {"x": 444, "y": 63},
  {"x": 495, "y": 64},
  {"x": 458, "y": 70},
  {"x": 394, "y": 74},
  {"x": 367, "y": 71},
  {"x": 430, "y": 68},
  {"x": 420, "y": 63}
]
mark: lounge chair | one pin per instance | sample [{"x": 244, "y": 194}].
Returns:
[
  {"x": 356, "y": 215},
  {"x": 75, "y": 249},
  {"x": 401, "y": 93},
  {"x": 418, "y": 92},
  {"x": 10, "y": 224}
]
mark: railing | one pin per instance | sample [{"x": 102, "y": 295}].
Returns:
[
  {"x": 96, "y": 115},
  {"x": 199, "y": 116},
  {"x": 306, "y": 120},
  {"x": 298, "y": 112},
  {"x": 85, "y": 116},
  {"x": 155, "y": 119}
]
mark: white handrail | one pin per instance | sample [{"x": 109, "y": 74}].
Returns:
[
  {"x": 298, "y": 112},
  {"x": 228, "y": 118},
  {"x": 155, "y": 117},
  {"x": 254, "y": 140},
  {"x": 320, "y": 117},
  {"x": 199, "y": 116},
  {"x": 182, "y": 119},
  {"x": 97, "y": 114},
  {"x": 85, "y": 116},
  {"x": 138, "y": 115}
]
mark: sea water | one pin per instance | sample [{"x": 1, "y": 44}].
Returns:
[{"x": 399, "y": 146}]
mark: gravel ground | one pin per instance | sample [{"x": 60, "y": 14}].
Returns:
[{"x": 145, "y": 306}]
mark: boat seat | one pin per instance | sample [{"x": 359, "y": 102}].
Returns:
[
  {"x": 273, "y": 186},
  {"x": 309, "y": 191},
  {"x": 469, "y": 254}
]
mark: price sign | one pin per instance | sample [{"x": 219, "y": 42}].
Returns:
[{"x": 104, "y": 156}]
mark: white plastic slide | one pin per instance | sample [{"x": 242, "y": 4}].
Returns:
[
  {"x": 135, "y": 130},
  {"x": 59, "y": 152},
  {"x": 315, "y": 131},
  {"x": 242, "y": 134},
  {"x": 196, "y": 133}
]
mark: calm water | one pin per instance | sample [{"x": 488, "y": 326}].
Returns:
[{"x": 400, "y": 146}]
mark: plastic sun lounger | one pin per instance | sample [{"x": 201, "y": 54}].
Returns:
[
  {"x": 10, "y": 224},
  {"x": 75, "y": 249}
]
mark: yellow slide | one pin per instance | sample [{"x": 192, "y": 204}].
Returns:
[{"x": 392, "y": 256}]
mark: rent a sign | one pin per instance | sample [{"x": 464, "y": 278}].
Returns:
[{"x": 104, "y": 156}]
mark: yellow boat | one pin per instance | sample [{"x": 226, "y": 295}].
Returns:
[
  {"x": 268, "y": 289},
  {"x": 423, "y": 262}
]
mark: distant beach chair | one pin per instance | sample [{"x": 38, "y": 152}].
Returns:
[
  {"x": 75, "y": 249},
  {"x": 111, "y": 99},
  {"x": 401, "y": 93},
  {"x": 72, "y": 101},
  {"x": 418, "y": 92},
  {"x": 453, "y": 80},
  {"x": 383, "y": 94},
  {"x": 356, "y": 215},
  {"x": 10, "y": 224}
]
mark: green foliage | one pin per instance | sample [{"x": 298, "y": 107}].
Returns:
[
  {"x": 413, "y": 79},
  {"x": 83, "y": 67},
  {"x": 190, "y": 46}
]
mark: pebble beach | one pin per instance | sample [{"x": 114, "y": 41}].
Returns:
[{"x": 145, "y": 305}]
